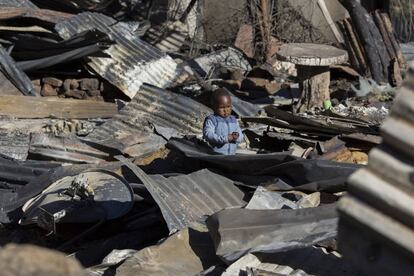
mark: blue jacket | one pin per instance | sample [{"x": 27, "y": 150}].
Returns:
[{"x": 216, "y": 130}]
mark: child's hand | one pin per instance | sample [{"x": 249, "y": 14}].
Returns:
[
  {"x": 235, "y": 136},
  {"x": 231, "y": 138}
]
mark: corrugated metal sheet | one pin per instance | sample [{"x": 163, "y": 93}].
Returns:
[
  {"x": 237, "y": 232},
  {"x": 169, "y": 37},
  {"x": 188, "y": 198},
  {"x": 132, "y": 61},
  {"x": 378, "y": 210},
  {"x": 50, "y": 147},
  {"x": 22, "y": 172},
  {"x": 14, "y": 145},
  {"x": 229, "y": 58},
  {"x": 159, "y": 107},
  {"x": 243, "y": 108},
  {"x": 14, "y": 74},
  {"x": 17, "y": 3}
]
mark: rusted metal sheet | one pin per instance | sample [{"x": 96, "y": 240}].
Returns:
[
  {"x": 159, "y": 107},
  {"x": 188, "y": 198},
  {"x": 132, "y": 61},
  {"x": 72, "y": 150},
  {"x": 17, "y": 3},
  {"x": 44, "y": 15}
]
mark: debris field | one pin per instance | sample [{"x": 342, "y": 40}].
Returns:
[{"x": 103, "y": 165}]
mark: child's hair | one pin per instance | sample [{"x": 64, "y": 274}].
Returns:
[{"x": 217, "y": 94}]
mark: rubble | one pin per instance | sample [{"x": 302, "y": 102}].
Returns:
[{"x": 102, "y": 157}]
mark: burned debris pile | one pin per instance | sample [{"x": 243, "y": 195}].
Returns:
[{"x": 102, "y": 157}]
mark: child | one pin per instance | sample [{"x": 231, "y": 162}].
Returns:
[{"x": 221, "y": 130}]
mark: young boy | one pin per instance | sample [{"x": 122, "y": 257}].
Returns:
[{"x": 221, "y": 130}]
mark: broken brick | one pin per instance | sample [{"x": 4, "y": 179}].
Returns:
[
  {"x": 89, "y": 84},
  {"x": 93, "y": 93},
  {"x": 70, "y": 84},
  {"x": 77, "y": 94},
  {"x": 52, "y": 81},
  {"x": 48, "y": 90}
]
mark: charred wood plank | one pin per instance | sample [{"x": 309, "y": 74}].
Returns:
[
  {"x": 371, "y": 39},
  {"x": 393, "y": 39},
  {"x": 353, "y": 59},
  {"x": 359, "y": 51}
]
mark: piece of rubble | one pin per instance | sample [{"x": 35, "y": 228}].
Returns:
[
  {"x": 299, "y": 262},
  {"x": 261, "y": 84},
  {"x": 70, "y": 84},
  {"x": 48, "y": 90},
  {"x": 187, "y": 252},
  {"x": 310, "y": 201},
  {"x": 89, "y": 84},
  {"x": 17, "y": 260},
  {"x": 77, "y": 94},
  {"x": 189, "y": 198},
  {"x": 93, "y": 93},
  {"x": 268, "y": 200},
  {"x": 132, "y": 61},
  {"x": 312, "y": 62},
  {"x": 52, "y": 81},
  {"x": 229, "y": 58}
]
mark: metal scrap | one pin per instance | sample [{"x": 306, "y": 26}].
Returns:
[
  {"x": 112, "y": 198},
  {"x": 188, "y": 198},
  {"x": 49, "y": 16},
  {"x": 65, "y": 149},
  {"x": 305, "y": 261},
  {"x": 237, "y": 232},
  {"x": 187, "y": 252},
  {"x": 15, "y": 145},
  {"x": 17, "y": 3},
  {"x": 132, "y": 61},
  {"x": 14, "y": 74},
  {"x": 229, "y": 58},
  {"x": 159, "y": 107}
]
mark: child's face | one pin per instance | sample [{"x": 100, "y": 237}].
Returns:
[{"x": 223, "y": 106}]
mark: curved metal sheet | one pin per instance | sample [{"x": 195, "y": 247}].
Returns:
[
  {"x": 113, "y": 195},
  {"x": 132, "y": 61}
]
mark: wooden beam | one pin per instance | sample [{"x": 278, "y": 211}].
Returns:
[
  {"x": 44, "y": 107},
  {"x": 331, "y": 23}
]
